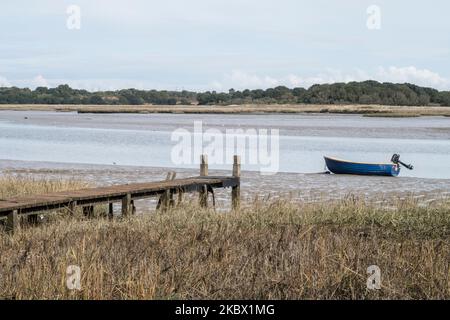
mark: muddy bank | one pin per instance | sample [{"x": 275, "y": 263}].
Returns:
[
  {"x": 297, "y": 187},
  {"x": 373, "y": 110}
]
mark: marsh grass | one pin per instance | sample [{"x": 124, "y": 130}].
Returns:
[
  {"x": 266, "y": 250},
  {"x": 374, "y": 110},
  {"x": 18, "y": 185},
  {"x": 23, "y": 185}
]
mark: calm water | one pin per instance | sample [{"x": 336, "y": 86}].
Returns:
[{"x": 145, "y": 140}]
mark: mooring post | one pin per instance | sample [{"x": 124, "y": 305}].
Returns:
[
  {"x": 204, "y": 165},
  {"x": 236, "y": 190},
  {"x": 204, "y": 173},
  {"x": 12, "y": 221},
  {"x": 126, "y": 204}
]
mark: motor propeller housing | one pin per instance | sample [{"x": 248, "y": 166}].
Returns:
[{"x": 396, "y": 160}]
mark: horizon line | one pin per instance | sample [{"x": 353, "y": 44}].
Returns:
[{"x": 217, "y": 91}]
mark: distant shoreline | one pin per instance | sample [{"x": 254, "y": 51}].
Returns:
[{"x": 366, "y": 110}]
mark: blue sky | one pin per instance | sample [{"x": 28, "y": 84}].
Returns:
[{"x": 220, "y": 44}]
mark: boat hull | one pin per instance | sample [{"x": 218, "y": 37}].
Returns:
[{"x": 337, "y": 166}]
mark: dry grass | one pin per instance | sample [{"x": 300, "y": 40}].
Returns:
[
  {"x": 16, "y": 185},
  {"x": 263, "y": 251},
  {"x": 373, "y": 110}
]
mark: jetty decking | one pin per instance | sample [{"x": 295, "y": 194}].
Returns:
[{"x": 14, "y": 208}]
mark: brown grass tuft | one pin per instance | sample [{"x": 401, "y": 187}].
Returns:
[{"x": 16, "y": 185}]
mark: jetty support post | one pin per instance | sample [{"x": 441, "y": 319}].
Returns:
[
  {"x": 110, "y": 210},
  {"x": 126, "y": 205},
  {"x": 12, "y": 221},
  {"x": 72, "y": 206},
  {"x": 33, "y": 219},
  {"x": 164, "y": 201},
  {"x": 132, "y": 207},
  {"x": 236, "y": 191},
  {"x": 169, "y": 195},
  {"x": 180, "y": 197},
  {"x": 204, "y": 173},
  {"x": 88, "y": 211}
]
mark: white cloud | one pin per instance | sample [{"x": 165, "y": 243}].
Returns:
[
  {"x": 105, "y": 84},
  {"x": 4, "y": 82},
  {"x": 422, "y": 77},
  {"x": 239, "y": 79},
  {"x": 242, "y": 79},
  {"x": 39, "y": 81}
]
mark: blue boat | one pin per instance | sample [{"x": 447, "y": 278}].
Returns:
[{"x": 339, "y": 166}]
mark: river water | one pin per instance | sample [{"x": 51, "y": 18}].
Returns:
[{"x": 145, "y": 139}]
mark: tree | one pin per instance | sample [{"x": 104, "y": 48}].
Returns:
[{"x": 96, "y": 99}]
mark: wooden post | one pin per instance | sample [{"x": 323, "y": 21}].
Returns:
[
  {"x": 88, "y": 211},
  {"x": 180, "y": 197},
  {"x": 203, "y": 173},
  {"x": 203, "y": 165},
  {"x": 164, "y": 200},
  {"x": 33, "y": 219},
  {"x": 72, "y": 206},
  {"x": 168, "y": 198},
  {"x": 111, "y": 210},
  {"x": 236, "y": 191},
  {"x": 132, "y": 207},
  {"x": 172, "y": 199},
  {"x": 126, "y": 205},
  {"x": 12, "y": 221}
]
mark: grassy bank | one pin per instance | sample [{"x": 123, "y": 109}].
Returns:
[
  {"x": 373, "y": 110},
  {"x": 271, "y": 250},
  {"x": 12, "y": 186}
]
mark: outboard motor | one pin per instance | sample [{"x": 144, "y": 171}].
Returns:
[{"x": 396, "y": 160}]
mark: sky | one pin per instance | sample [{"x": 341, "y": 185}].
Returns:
[{"x": 222, "y": 44}]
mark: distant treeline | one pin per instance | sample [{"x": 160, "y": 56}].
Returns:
[
  {"x": 64, "y": 94},
  {"x": 367, "y": 92}
]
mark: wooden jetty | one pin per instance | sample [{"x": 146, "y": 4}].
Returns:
[{"x": 15, "y": 208}]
